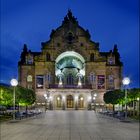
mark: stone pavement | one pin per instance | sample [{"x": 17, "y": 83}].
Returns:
[{"x": 69, "y": 125}]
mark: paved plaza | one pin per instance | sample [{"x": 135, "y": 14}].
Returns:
[{"x": 70, "y": 125}]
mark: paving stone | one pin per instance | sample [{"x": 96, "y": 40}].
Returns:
[{"x": 70, "y": 125}]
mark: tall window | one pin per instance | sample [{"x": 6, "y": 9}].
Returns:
[
  {"x": 39, "y": 81},
  {"x": 48, "y": 58},
  {"x": 70, "y": 80},
  {"x": 48, "y": 77},
  {"x": 92, "y": 57},
  {"x": 92, "y": 78},
  {"x": 111, "y": 81}
]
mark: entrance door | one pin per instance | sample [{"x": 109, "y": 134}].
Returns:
[
  {"x": 70, "y": 101},
  {"x": 81, "y": 102}
]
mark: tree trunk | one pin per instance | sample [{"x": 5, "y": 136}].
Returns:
[
  {"x": 133, "y": 108},
  {"x": 26, "y": 110},
  {"x": 113, "y": 107}
]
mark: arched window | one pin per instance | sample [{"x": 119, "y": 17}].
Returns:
[
  {"x": 48, "y": 77},
  {"x": 92, "y": 78},
  {"x": 48, "y": 58},
  {"x": 110, "y": 79},
  {"x": 92, "y": 57},
  {"x": 29, "y": 78}
]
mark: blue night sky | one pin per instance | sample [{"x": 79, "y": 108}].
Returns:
[{"x": 31, "y": 21}]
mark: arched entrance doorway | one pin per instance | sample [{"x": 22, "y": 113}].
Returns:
[
  {"x": 58, "y": 101},
  {"x": 70, "y": 101}
]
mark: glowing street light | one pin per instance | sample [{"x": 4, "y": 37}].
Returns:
[
  {"x": 126, "y": 81},
  {"x": 14, "y": 83}
]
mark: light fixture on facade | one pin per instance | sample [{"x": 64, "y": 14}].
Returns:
[
  {"x": 51, "y": 98},
  {"x": 79, "y": 81},
  {"x": 63, "y": 97},
  {"x": 81, "y": 98},
  {"x": 94, "y": 98},
  {"x": 58, "y": 98},
  {"x": 60, "y": 81},
  {"x": 89, "y": 98},
  {"x": 45, "y": 95},
  {"x": 76, "y": 98}
]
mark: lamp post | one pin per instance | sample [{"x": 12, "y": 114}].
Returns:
[
  {"x": 126, "y": 82},
  {"x": 94, "y": 98},
  {"x": 14, "y": 83}
]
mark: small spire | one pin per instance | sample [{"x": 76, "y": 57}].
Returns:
[
  {"x": 69, "y": 14},
  {"x": 70, "y": 18},
  {"x": 25, "y": 48}
]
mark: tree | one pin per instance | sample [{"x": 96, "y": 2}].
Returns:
[
  {"x": 113, "y": 97},
  {"x": 133, "y": 94},
  {"x": 25, "y": 96},
  {"x": 6, "y": 96}
]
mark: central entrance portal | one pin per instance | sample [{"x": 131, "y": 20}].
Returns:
[{"x": 70, "y": 101}]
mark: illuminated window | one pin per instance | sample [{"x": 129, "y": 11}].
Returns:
[{"x": 29, "y": 78}]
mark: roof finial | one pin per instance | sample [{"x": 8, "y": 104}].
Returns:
[{"x": 69, "y": 14}]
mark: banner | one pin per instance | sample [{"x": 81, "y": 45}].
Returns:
[
  {"x": 101, "y": 82},
  {"x": 39, "y": 81}
]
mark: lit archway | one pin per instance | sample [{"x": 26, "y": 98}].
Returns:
[
  {"x": 70, "y": 101},
  {"x": 69, "y": 68}
]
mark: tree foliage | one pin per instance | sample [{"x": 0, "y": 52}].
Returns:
[
  {"x": 133, "y": 94},
  {"x": 113, "y": 97},
  {"x": 118, "y": 96},
  {"x": 6, "y": 96},
  {"x": 23, "y": 96}
]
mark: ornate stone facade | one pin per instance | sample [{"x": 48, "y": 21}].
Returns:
[{"x": 70, "y": 69}]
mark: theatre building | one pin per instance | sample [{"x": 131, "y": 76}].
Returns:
[{"x": 70, "y": 72}]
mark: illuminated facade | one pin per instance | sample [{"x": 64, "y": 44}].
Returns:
[{"x": 70, "y": 69}]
